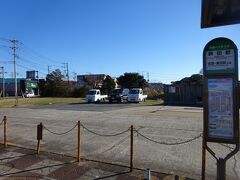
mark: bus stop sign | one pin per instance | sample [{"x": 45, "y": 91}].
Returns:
[{"x": 220, "y": 69}]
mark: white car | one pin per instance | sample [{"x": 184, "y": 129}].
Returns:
[
  {"x": 29, "y": 94},
  {"x": 136, "y": 95}
]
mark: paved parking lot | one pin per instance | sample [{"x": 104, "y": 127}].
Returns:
[
  {"x": 19, "y": 163},
  {"x": 158, "y": 141}
]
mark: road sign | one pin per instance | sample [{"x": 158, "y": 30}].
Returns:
[
  {"x": 31, "y": 84},
  {"x": 220, "y": 12}
]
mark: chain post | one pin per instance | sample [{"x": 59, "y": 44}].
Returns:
[
  {"x": 131, "y": 149},
  {"x": 5, "y": 130},
  {"x": 39, "y": 136},
  {"x": 79, "y": 141}
]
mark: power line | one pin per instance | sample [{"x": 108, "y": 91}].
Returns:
[
  {"x": 40, "y": 55},
  {"x": 5, "y": 39},
  {"x": 24, "y": 60},
  {"x": 25, "y": 56},
  {"x": 4, "y": 62},
  {"x": 28, "y": 68}
]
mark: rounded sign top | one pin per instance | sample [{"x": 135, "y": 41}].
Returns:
[
  {"x": 220, "y": 57},
  {"x": 220, "y": 43}
]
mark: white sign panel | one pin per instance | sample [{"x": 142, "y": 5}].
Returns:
[
  {"x": 220, "y": 108},
  {"x": 172, "y": 89},
  {"x": 220, "y": 61}
]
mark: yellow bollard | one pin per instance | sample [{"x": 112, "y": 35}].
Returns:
[
  {"x": 131, "y": 149},
  {"x": 79, "y": 141},
  {"x": 5, "y": 131}
]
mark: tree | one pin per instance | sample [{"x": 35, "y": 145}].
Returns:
[
  {"x": 79, "y": 92},
  {"x": 132, "y": 80},
  {"x": 108, "y": 85},
  {"x": 54, "y": 85},
  {"x": 195, "y": 79}
]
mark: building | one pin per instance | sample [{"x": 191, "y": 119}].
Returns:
[
  {"x": 9, "y": 84},
  {"x": 90, "y": 80},
  {"x": 183, "y": 94},
  {"x": 156, "y": 85}
]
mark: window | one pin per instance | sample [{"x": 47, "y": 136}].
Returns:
[
  {"x": 228, "y": 52},
  {"x": 219, "y": 53},
  {"x": 210, "y": 53}
]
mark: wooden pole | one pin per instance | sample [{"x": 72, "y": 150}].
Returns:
[{"x": 39, "y": 136}]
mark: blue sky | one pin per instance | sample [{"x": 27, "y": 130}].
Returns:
[{"x": 162, "y": 38}]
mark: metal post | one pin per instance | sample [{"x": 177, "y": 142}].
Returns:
[
  {"x": 79, "y": 141},
  {"x": 203, "y": 158},
  {"x": 5, "y": 131},
  {"x": 148, "y": 174},
  {"x": 221, "y": 169},
  {"x": 176, "y": 177},
  {"x": 38, "y": 146},
  {"x": 131, "y": 149}
]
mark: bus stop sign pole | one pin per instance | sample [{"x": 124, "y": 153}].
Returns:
[{"x": 220, "y": 100}]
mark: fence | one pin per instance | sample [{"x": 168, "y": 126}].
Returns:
[{"x": 131, "y": 130}]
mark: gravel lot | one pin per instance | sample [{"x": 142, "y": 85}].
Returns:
[{"x": 162, "y": 124}]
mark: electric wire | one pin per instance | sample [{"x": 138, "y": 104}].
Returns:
[
  {"x": 28, "y": 68},
  {"x": 38, "y": 54},
  {"x": 24, "y": 60}
]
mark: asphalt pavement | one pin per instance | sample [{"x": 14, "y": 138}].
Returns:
[
  {"x": 167, "y": 139},
  {"x": 20, "y": 163}
]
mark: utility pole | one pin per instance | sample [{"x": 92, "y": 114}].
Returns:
[
  {"x": 38, "y": 81},
  {"x": 3, "y": 82},
  {"x": 66, "y": 72},
  {"x": 49, "y": 69},
  {"x": 14, "y": 41},
  {"x": 148, "y": 76}
]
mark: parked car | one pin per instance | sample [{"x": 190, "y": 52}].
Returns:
[
  {"x": 94, "y": 95},
  {"x": 118, "y": 95},
  {"x": 29, "y": 94},
  {"x": 136, "y": 95}
]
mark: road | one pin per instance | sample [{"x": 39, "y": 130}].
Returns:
[{"x": 163, "y": 125}]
